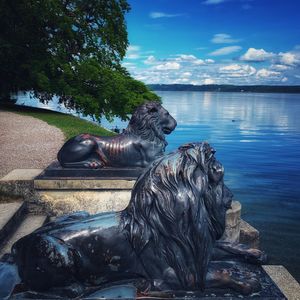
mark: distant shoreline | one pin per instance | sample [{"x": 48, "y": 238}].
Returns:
[{"x": 291, "y": 89}]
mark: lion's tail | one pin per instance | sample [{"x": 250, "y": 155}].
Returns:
[{"x": 9, "y": 276}]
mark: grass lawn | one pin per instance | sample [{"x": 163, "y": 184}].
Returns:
[{"x": 68, "y": 124}]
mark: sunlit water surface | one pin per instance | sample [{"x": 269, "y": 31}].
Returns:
[{"x": 257, "y": 138}]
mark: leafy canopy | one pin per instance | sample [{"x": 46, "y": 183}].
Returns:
[{"x": 71, "y": 49}]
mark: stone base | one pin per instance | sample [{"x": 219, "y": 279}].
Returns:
[
  {"x": 66, "y": 195},
  {"x": 126, "y": 289},
  {"x": 56, "y": 203},
  {"x": 55, "y": 171}
]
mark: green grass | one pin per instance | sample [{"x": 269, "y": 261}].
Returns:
[{"x": 68, "y": 124}]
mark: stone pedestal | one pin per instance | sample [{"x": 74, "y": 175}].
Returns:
[
  {"x": 233, "y": 223},
  {"x": 63, "y": 196}
]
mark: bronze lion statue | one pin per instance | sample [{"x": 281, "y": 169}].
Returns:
[
  {"x": 140, "y": 143},
  {"x": 166, "y": 236}
]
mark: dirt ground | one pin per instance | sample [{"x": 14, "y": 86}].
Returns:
[{"x": 26, "y": 142}]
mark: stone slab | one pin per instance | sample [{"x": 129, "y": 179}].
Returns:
[
  {"x": 284, "y": 280},
  {"x": 21, "y": 174},
  {"x": 30, "y": 223},
  {"x": 56, "y": 171},
  {"x": 57, "y": 202},
  {"x": 83, "y": 184},
  {"x": 126, "y": 289},
  {"x": 11, "y": 214}
]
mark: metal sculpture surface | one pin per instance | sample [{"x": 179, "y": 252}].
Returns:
[
  {"x": 140, "y": 143},
  {"x": 166, "y": 236}
]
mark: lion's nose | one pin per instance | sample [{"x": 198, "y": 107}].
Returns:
[{"x": 175, "y": 124}]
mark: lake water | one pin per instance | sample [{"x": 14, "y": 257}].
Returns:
[{"x": 257, "y": 138}]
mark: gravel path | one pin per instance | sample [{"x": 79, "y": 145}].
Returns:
[{"x": 26, "y": 142}]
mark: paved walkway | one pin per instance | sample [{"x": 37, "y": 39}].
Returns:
[{"x": 26, "y": 142}]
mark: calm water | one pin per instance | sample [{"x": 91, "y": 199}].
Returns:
[{"x": 257, "y": 138}]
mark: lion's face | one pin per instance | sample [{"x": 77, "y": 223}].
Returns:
[
  {"x": 153, "y": 116},
  {"x": 166, "y": 121}
]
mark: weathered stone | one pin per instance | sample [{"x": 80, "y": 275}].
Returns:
[
  {"x": 83, "y": 184},
  {"x": 234, "y": 214},
  {"x": 19, "y": 183},
  {"x": 285, "y": 281},
  {"x": 62, "y": 202},
  {"x": 233, "y": 219},
  {"x": 249, "y": 235}
]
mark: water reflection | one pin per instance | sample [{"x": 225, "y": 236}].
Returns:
[{"x": 257, "y": 140}]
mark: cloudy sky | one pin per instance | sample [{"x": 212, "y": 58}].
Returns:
[{"x": 214, "y": 41}]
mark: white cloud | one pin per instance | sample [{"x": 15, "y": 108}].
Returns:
[
  {"x": 186, "y": 74},
  {"x": 209, "y": 2},
  {"x": 264, "y": 73},
  {"x": 132, "y": 56},
  {"x": 225, "y": 50},
  {"x": 236, "y": 70},
  {"x": 190, "y": 59},
  {"x": 150, "y": 60},
  {"x": 289, "y": 58},
  {"x": 278, "y": 67},
  {"x": 208, "y": 81},
  {"x": 223, "y": 38},
  {"x": 133, "y": 52},
  {"x": 133, "y": 48},
  {"x": 281, "y": 68},
  {"x": 256, "y": 55},
  {"x": 168, "y": 66},
  {"x": 182, "y": 57},
  {"x": 158, "y": 14}
]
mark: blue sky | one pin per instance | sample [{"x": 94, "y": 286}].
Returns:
[{"x": 214, "y": 41}]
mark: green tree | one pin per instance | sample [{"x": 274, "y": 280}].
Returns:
[{"x": 72, "y": 49}]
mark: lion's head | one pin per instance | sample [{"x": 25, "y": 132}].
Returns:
[
  {"x": 178, "y": 206},
  {"x": 151, "y": 121}
]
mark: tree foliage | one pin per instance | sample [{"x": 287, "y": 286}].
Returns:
[{"x": 72, "y": 49}]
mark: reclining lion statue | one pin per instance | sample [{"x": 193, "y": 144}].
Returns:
[
  {"x": 140, "y": 143},
  {"x": 167, "y": 235}
]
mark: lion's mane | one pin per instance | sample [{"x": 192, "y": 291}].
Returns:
[
  {"x": 145, "y": 123},
  {"x": 175, "y": 207}
]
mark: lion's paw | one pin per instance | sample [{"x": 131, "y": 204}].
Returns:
[{"x": 255, "y": 256}]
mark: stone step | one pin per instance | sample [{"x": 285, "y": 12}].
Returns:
[
  {"x": 29, "y": 224},
  {"x": 11, "y": 214},
  {"x": 249, "y": 235}
]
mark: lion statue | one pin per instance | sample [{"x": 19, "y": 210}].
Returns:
[
  {"x": 140, "y": 143},
  {"x": 166, "y": 236}
]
